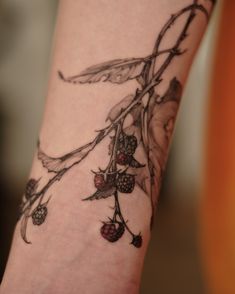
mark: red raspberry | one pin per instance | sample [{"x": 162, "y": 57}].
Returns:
[
  {"x": 125, "y": 183},
  {"x": 39, "y": 214},
  {"x": 99, "y": 181},
  {"x": 31, "y": 186},
  {"x": 112, "y": 231},
  {"x": 137, "y": 241},
  {"x": 104, "y": 181},
  {"x": 123, "y": 158}
]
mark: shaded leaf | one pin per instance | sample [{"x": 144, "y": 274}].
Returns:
[
  {"x": 142, "y": 175},
  {"x": 23, "y": 226},
  {"x": 174, "y": 92},
  {"x": 117, "y": 109},
  {"x": 101, "y": 194},
  {"x": 136, "y": 164},
  {"x": 116, "y": 71}
]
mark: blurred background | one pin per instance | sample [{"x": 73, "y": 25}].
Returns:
[{"x": 173, "y": 263}]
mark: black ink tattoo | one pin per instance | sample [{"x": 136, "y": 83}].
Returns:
[{"x": 152, "y": 123}]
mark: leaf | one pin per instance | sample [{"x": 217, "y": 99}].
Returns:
[
  {"x": 142, "y": 175},
  {"x": 174, "y": 92},
  {"x": 117, "y": 109},
  {"x": 116, "y": 71},
  {"x": 23, "y": 226},
  {"x": 136, "y": 164},
  {"x": 56, "y": 164},
  {"x": 101, "y": 194}
]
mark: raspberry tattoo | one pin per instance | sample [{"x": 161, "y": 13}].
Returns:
[
  {"x": 112, "y": 231},
  {"x": 127, "y": 144},
  {"x": 125, "y": 183},
  {"x": 30, "y": 188},
  {"x": 137, "y": 241},
  {"x": 123, "y": 158},
  {"x": 138, "y": 128},
  {"x": 39, "y": 214}
]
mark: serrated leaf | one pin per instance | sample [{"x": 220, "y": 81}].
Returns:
[
  {"x": 56, "y": 164},
  {"x": 116, "y": 71},
  {"x": 101, "y": 194}
]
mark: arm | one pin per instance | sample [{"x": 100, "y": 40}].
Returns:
[{"x": 89, "y": 204}]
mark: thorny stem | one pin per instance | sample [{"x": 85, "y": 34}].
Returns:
[
  {"x": 168, "y": 25},
  {"x": 151, "y": 76}
]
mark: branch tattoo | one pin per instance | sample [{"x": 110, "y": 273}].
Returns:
[{"x": 152, "y": 120}]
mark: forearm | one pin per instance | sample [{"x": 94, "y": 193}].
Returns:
[{"x": 100, "y": 160}]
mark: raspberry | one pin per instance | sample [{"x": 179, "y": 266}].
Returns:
[
  {"x": 39, "y": 214},
  {"x": 104, "y": 181},
  {"x": 112, "y": 231},
  {"x": 123, "y": 158},
  {"x": 125, "y": 183},
  {"x": 99, "y": 181},
  {"x": 137, "y": 241},
  {"x": 30, "y": 188},
  {"x": 127, "y": 144}
]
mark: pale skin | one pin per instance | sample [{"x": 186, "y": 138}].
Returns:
[{"x": 67, "y": 253}]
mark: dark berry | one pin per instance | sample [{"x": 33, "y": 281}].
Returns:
[
  {"x": 39, "y": 214},
  {"x": 30, "y": 188},
  {"x": 125, "y": 183},
  {"x": 137, "y": 241},
  {"x": 127, "y": 144},
  {"x": 112, "y": 231},
  {"x": 123, "y": 158}
]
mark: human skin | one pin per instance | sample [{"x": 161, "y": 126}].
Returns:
[{"x": 67, "y": 253}]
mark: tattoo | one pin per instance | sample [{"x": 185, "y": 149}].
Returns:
[{"x": 147, "y": 136}]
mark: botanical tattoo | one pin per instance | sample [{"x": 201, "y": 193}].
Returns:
[{"x": 139, "y": 129}]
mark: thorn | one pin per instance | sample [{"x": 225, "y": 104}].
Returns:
[{"x": 61, "y": 76}]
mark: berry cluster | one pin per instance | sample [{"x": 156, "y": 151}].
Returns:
[
  {"x": 110, "y": 181},
  {"x": 122, "y": 181},
  {"x": 126, "y": 148}
]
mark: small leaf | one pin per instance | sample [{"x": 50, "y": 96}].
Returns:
[
  {"x": 23, "y": 226},
  {"x": 117, "y": 109},
  {"x": 136, "y": 164},
  {"x": 101, "y": 194},
  {"x": 116, "y": 71}
]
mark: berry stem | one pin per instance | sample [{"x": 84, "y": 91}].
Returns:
[
  {"x": 119, "y": 213},
  {"x": 112, "y": 166}
]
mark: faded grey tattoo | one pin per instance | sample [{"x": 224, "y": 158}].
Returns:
[{"x": 146, "y": 135}]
